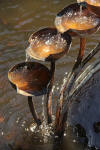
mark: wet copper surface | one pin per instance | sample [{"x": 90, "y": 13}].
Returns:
[
  {"x": 93, "y": 2},
  {"x": 78, "y": 18},
  {"x": 94, "y": 8},
  {"x": 47, "y": 43},
  {"x": 92, "y": 5},
  {"x": 26, "y": 76}
]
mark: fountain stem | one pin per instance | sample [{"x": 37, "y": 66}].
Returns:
[
  {"x": 62, "y": 110},
  {"x": 81, "y": 52},
  {"x": 33, "y": 112},
  {"x": 49, "y": 93}
]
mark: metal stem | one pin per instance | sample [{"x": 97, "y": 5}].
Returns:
[
  {"x": 49, "y": 93},
  {"x": 81, "y": 53},
  {"x": 33, "y": 112},
  {"x": 62, "y": 111}
]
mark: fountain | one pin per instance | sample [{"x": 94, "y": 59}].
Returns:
[
  {"x": 25, "y": 77},
  {"x": 48, "y": 45},
  {"x": 33, "y": 78},
  {"x": 77, "y": 20}
]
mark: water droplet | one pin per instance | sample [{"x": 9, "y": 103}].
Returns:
[
  {"x": 64, "y": 134},
  {"x": 80, "y": 10},
  {"x": 58, "y": 88},
  {"x": 2, "y": 133},
  {"x": 33, "y": 127},
  {"x": 74, "y": 141}
]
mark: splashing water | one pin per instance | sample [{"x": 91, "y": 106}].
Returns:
[
  {"x": 56, "y": 40},
  {"x": 46, "y": 129},
  {"x": 33, "y": 128},
  {"x": 43, "y": 105},
  {"x": 80, "y": 10},
  {"x": 28, "y": 58}
]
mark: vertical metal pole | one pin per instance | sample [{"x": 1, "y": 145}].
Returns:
[{"x": 32, "y": 110}]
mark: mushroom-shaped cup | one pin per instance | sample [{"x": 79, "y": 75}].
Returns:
[
  {"x": 76, "y": 18},
  {"x": 48, "y": 45},
  {"x": 30, "y": 78}
]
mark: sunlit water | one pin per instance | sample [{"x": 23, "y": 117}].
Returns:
[{"x": 18, "y": 20}]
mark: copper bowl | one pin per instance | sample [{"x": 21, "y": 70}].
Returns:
[
  {"x": 94, "y": 6},
  {"x": 78, "y": 18},
  {"x": 29, "y": 78},
  {"x": 48, "y": 44}
]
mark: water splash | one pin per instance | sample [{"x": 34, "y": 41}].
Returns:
[
  {"x": 56, "y": 40},
  {"x": 43, "y": 105},
  {"x": 46, "y": 129},
  {"x": 80, "y": 10},
  {"x": 28, "y": 58},
  {"x": 33, "y": 128}
]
